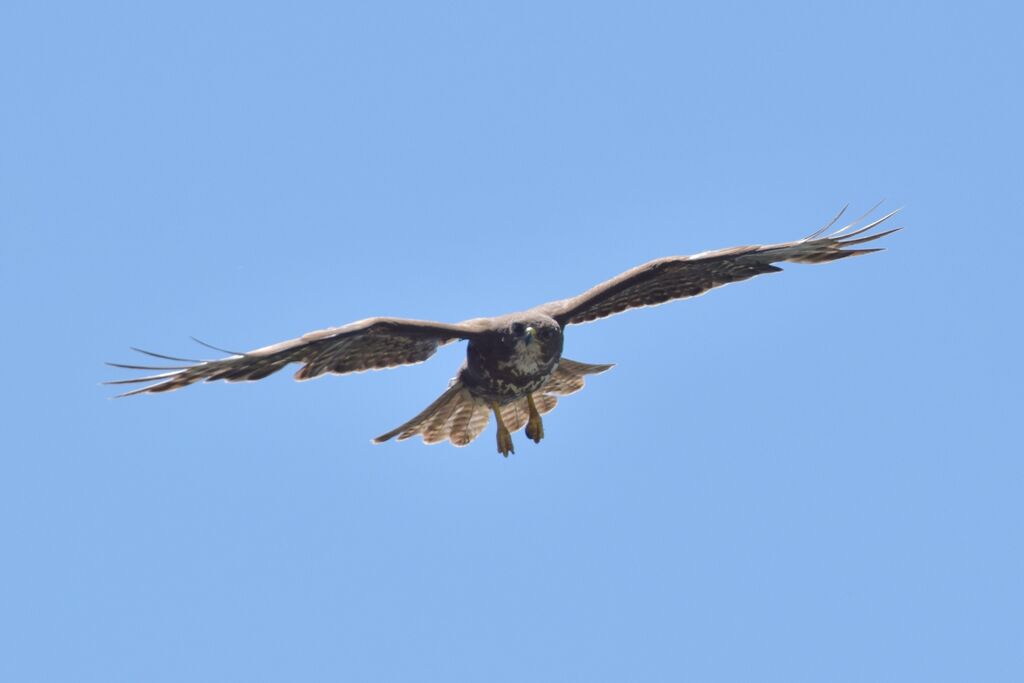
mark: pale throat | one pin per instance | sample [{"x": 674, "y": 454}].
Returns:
[{"x": 528, "y": 360}]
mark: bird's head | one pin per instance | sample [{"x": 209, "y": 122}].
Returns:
[{"x": 540, "y": 335}]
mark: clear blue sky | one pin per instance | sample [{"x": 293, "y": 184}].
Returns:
[{"x": 811, "y": 476}]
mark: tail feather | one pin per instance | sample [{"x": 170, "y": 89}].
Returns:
[
  {"x": 568, "y": 377},
  {"x": 545, "y": 403},
  {"x": 460, "y": 417},
  {"x": 435, "y": 428},
  {"x": 515, "y": 414},
  {"x": 468, "y": 421},
  {"x": 455, "y": 416},
  {"x": 444, "y": 405}
]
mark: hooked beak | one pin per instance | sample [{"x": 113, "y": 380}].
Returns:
[{"x": 529, "y": 334}]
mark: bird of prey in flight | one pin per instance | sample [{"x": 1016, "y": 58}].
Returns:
[{"x": 514, "y": 366}]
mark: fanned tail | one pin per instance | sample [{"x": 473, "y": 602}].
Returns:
[
  {"x": 460, "y": 417},
  {"x": 455, "y": 416}
]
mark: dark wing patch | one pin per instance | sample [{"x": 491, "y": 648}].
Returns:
[
  {"x": 678, "y": 277},
  {"x": 365, "y": 345}
]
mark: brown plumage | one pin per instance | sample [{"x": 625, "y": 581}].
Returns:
[{"x": 514, "y": 366}]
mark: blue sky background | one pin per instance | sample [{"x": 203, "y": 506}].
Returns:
[{"x": 810, "y": 476}]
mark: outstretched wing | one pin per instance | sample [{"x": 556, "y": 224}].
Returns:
[
  {"x": 364, "y": 345},
  {"x": 678, "y": 277}
]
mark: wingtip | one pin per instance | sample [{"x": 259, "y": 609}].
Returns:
[
  {"x": 216, "y": 348},
  {"x": 860, "y": 218},
  {"x": 160, "y": 355},
  {"x": 862, "y": 252},
  {"x": 387, "y": 436},
  {"x": 105, "y": 383},
  {"x": 868, "y": 238},
  {"x": 828, "y": 225}
]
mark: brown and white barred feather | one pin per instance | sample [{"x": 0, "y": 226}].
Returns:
[
  {"x": 568, "y": 376},
  {"x": 460, "y": 417},
  {"x": 455, "y": 416}
]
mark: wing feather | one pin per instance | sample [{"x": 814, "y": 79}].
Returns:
[
  {"x": 364, "y": 345},
  {"x": 678, "y": 277}
]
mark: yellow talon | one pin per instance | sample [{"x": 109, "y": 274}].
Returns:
[
  {"x": 504, "y": 438},
  {"x": 535, "y": 427}
]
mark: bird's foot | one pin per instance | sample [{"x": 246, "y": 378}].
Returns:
[
  {"x": 535, "y": 429},
  {"x": 535, "y": 426},
  {"x": 505, "y": 442},
  {"x": 504, "y": 438}
]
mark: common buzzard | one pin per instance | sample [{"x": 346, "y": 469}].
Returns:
[{"x": 514, "y": 366}]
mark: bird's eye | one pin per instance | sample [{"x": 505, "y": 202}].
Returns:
[{"x": 518, "y": 329}]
